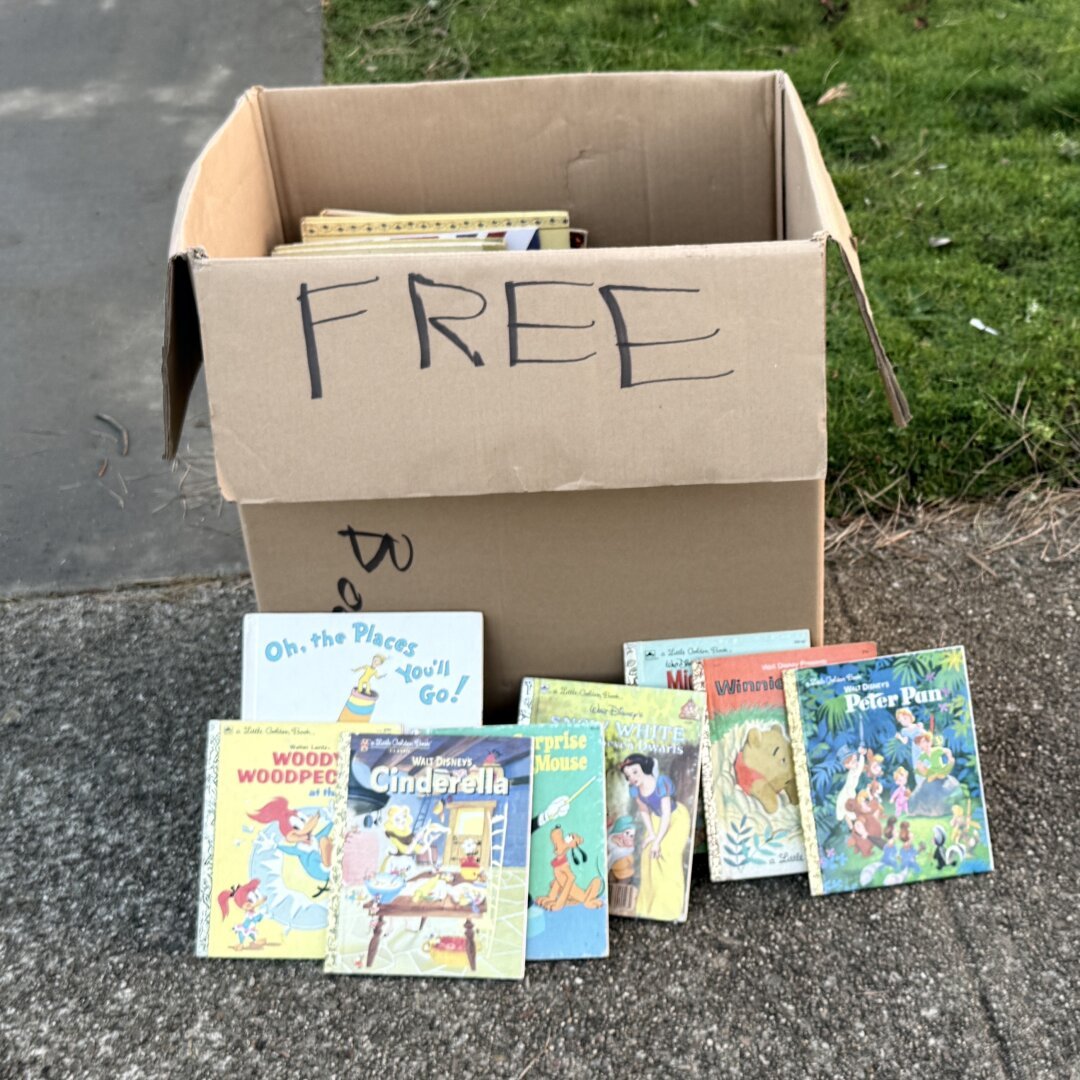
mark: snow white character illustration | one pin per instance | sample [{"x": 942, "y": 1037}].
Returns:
[
  {"x": 667, "y": 827},
  {"x": 248, "y": 899},
  {"x": 306, "y": 834}
]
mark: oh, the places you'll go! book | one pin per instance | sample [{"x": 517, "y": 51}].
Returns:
[
  {"x": 652, "y": 755},
  {"x": 431, "y": 866},
  {"x": 668, "y": 663},
  {"x": 267, "y": 817},
  {"x": 417, "y": 669},
  {"x": 747, "y": 775},
  {"x": 890, "y": 790}
]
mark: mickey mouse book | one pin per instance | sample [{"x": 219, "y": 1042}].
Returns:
[
  {"x": 747, "y": 776},
  {"x": 416, "y": 669},
  {"x": 568, "y": 906},
  {"x": 668, "y": 663},
  {"x": 887, "y": 767},
  {"x": 430, "y": 869},
  {"x": 652, "y": 756},
  {"x": 265, "y": 865}
]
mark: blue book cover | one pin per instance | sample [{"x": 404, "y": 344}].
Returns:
[
  {"x": 667, "y": 664},
  {"x": 568, "y": 903},
  {"x": 887, "y": 767}
]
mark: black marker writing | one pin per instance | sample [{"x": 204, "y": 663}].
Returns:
[
  {"x": 314, "y": 373},
  {"x": 513, "y": 325}
]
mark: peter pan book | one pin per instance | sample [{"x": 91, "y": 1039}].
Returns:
[
  {"x": 747, "y": 777},
  {"x": 430, "y": 871},
  {"x": 887, "y": 767},
  {"x": 668, "y": 663},
  {"x": 417, "y": 669},
  {"x": 652, "y": 756},
  {"x": 568, "y": 907},
  {"x": 267, "y": 816}
]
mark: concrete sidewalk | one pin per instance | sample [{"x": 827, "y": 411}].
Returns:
[
  {"x": 103, "y": 703},
  {"x": 103, "y": 108}
]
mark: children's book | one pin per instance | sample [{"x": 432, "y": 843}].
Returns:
[
  {"x": 430, "y": 873},
  {"x": 747, "y": 777},
  {"x": 652, "y": 756},
  {"x": 668, "y": 663},
  {"x": 887, "y": 767},
  {"x": 553, "y": 226},
  {"x": 568, "y": 909},
  {"x": 267, "y": 816},
  {"x": 416, "y": 669}
]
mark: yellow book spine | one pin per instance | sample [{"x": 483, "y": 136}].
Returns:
[{"x": 802, "y": 780}]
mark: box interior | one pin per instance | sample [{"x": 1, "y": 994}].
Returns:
[{"x": 638, "y": 160}]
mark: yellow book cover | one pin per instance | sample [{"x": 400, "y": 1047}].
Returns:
[
  {"x": 267, "y": 822},
  {"x": 553, "y": 225}
]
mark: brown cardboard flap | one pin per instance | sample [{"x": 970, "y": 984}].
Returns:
[
  {"x": 811, "y": 206},
  {"x": 368, "y": 377},
  {"x": 181, "y": 353}
]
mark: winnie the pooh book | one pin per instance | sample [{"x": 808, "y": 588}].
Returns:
[
  {"x": 747, "y": 777},
  {"x": 887, "y": 768}
]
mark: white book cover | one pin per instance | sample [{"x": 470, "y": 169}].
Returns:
[{"x": 418, "y": 669}]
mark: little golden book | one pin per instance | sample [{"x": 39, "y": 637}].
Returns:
[
  {"x": 887, "y": 766},
  {"x": 431, "y": 855},
  {"x": 267, "y": 820},
  {"x": 653, "y": 762}
]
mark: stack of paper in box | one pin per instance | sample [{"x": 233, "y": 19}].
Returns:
[{"x": 357, "y": 232}]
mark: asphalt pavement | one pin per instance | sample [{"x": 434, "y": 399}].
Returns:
[
  {"x": 104, "y": 105},
  {"x": 103, "y": 704}
]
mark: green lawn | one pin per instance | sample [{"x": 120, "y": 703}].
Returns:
[{"x": 962, "y": 120}]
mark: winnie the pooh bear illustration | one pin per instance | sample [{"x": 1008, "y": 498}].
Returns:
[{"x": 763, "y": 767}]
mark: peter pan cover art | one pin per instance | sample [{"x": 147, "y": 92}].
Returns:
[
  {"x": 431, "y": 863},
  {"x": 265, "y": 867},
  {"x": 653, "y": 761},
  {"x": 747, "y": 775},
  {"x": 888, "y": 771}
]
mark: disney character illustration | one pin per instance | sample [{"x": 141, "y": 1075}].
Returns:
[
  {"x": 405, "y": 844},
  {"x": 565, "y": 891},
  {"x": 763, "y": 767},
  {"x": 305, "y": 834},
  {"x": 620, "y": 848},
  {"x": 853, "y": 764},
  {"x": 963, "y": 828},
  {"x": 901, "y": 794},
  {"x": 248, "y": 899},
  {"x": 667, "y": 826},
  {"x": 953, "y": 855}
]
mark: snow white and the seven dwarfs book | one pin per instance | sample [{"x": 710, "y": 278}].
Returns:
[{"x": 887, "y": 766}]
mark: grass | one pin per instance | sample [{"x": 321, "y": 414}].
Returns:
[{"x": 961, "y": 120}]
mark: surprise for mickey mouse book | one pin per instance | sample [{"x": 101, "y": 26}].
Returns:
[
  {"x": 430, "y": 870},
  {"x": 747, "y": 777},
  {"x": 887, "y": 767},
  {"x": 652, "y": 758},
  {"x": 265, "y": 865},
  {"x": 568, "y": 891},
  {"x": 417, "y": 669}
]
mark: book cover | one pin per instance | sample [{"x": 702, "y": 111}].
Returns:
[
  {"x": 887, "y": 766},
  {"x": 747, "y": 776},
  {"x": 568, "y": 909},
  {"x": 552, "y": 225},
  {"x": 668, "y": 663},
  {"x": 417, "y": 669},
  {"x": 431, "y": 870},
  {"x": 265, "y": 864},
  {"x": 652, "y": 757}
]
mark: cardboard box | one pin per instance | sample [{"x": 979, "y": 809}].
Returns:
[{"x": 589, "y": 446}]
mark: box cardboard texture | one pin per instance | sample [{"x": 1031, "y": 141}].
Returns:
[{"x": 591, "y": 447}]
